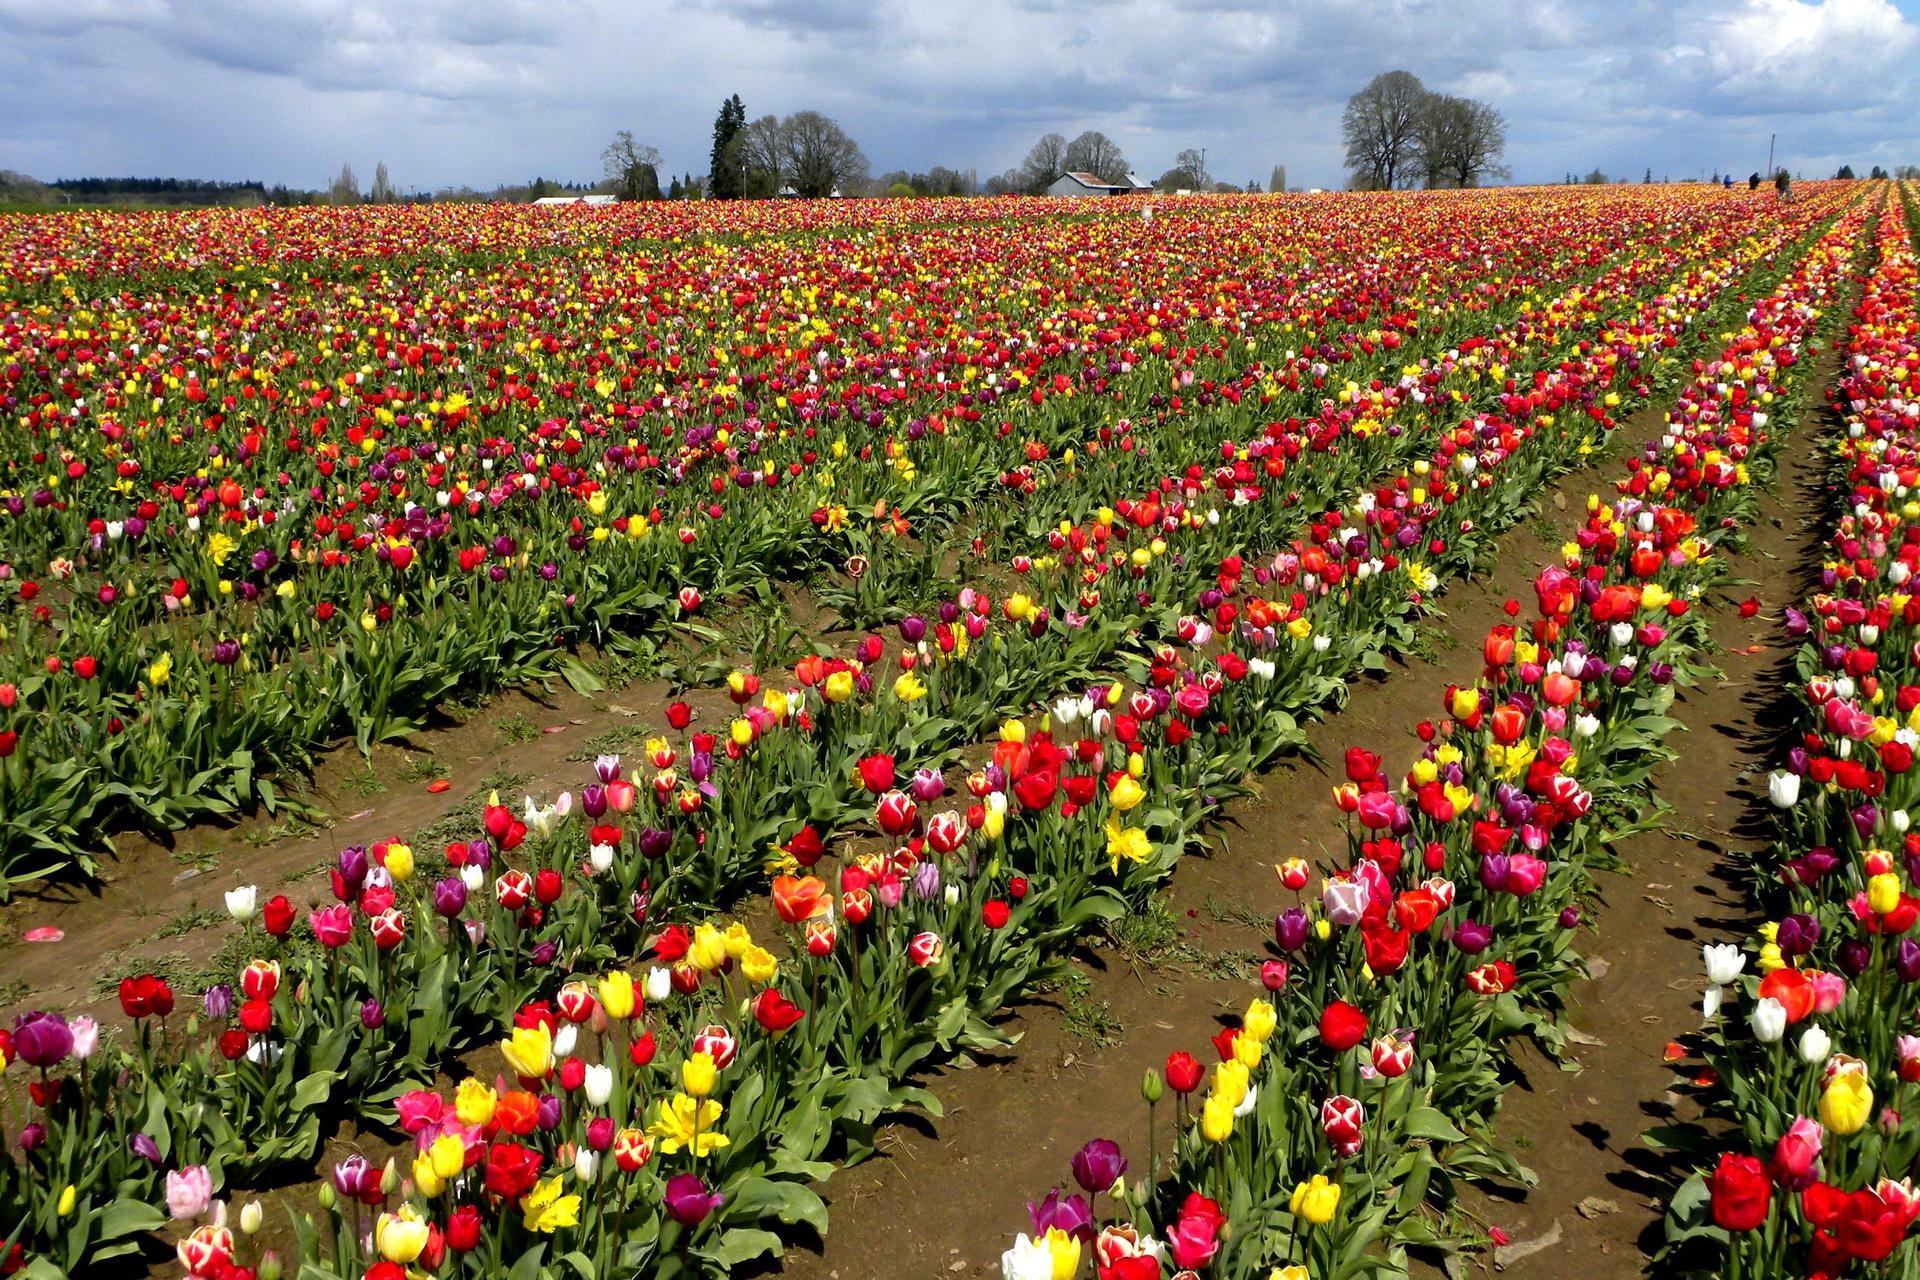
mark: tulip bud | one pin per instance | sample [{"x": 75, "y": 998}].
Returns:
[
  {"x": 389, "y": 1178},
  {"x": 251, "y": 1216},
  {"x": 1814, "y": 1045},
  {"x": 327, "y": 1198},
  {"x": 1151, "y": 1087},
  {"x": 269, "y": 1268}
]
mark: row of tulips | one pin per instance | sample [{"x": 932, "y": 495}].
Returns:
[
  {"x": 244, "y": 522},
  {"x": 1810, "y": 1034},
  {"x": 417, "y": 958},
  {"x": 1357, "y": 1088}
]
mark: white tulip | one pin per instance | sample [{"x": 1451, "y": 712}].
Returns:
[
  {"x": 951, "y": 894},
  {"x": 1815, "y": 1044},
  {"x": 1586, "y": 724},
  {"x": 563, "y": 1041},
  {"x": 598, "y": 1084},
  {"x": 240, "y": 902},
  {"x": 1711, "y": 1002},
  {"x": 1783, "y": 789},
  {"x": 251, "y": 1216},
  {"x": 1768, "y": 1020},
  {"x": 659, "y": 984},
  {"x": 1027, "y": 1260},
  {"x": 1724, "y": 962},
  {"x": 1620, "y": 633},
  {"x": 473, "y": 877},
  {"x": 585, "y": 1162},
  {"x": 1246, "y": 1104},
  {"x": 600, "y": 858}
]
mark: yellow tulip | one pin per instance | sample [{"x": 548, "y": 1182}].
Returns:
[
  {"x": 474, "y": 1102},
  {"x": 709, "y": 949},
  {"x": 69, "y": 1195},
  {"x": 448, "y": 1155},
  {"x": 1846, "y": 1103},
  {"x": 1065, "y": 1251},
  {"x": 529, "y": 1051},
  {"x": 616, "y": 994},
  {"x": 697, "y": 1074},
  {"x": 1216, "y": 1119},
  {"x": 545, "y": 1210},
  {"x": 1316, "y": 1201},
  {"x": 1126, "y": 794},
  {"x": 399, "y": 862},
  {"x": 1259, "y": 1022},
  {"x": 759, "y": 965},
  {"x": 1883, "y": 892},
  {"x": 400, "y": 1237}
]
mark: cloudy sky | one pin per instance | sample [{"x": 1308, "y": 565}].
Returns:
[{"x": 487, "y": 91}]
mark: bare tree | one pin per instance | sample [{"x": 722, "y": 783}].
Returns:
[
  {"x": 1379, "y": 127},
  {"x": 633, "y": 167},
  {"x": 1095, "y": 153},
  {"x": 1194, "y": 161},
  {"x": 1278, "y": 182},
  {"x": 383, "y": 192},
  {"x": 1459, "y": 142},
  {"x": 1046, "y": 161},
  {"x": 760, "y": 158},
  {"x": 345, "y": 188},
  {"x": 818, "y": 157}
]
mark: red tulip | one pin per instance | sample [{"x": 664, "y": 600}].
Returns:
[
  {"x": 1342, "y": 1026},
  {"x": 1741, "y": 1192}
]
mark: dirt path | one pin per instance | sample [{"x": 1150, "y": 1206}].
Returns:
[{"x": 1602, "y": 1190}]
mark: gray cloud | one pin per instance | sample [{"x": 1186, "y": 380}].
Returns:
[{"x": 479, "y": 91}]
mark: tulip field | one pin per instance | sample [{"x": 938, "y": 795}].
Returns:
[{"x": 974, "y": 565}]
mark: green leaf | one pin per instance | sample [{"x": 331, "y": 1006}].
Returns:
[
  {"x": 742, "y": 1244},
  {"x": 313, "y": 1090},
  {"x": 1425, "y": 1122}
]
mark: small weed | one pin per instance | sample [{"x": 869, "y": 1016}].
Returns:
[
  {"x": 1092, "y": 1022},
  {"x": 13, "y": 992},
  {"x": 202, "y": 860},
  {"x": 1523, "y": 1141},
  {"x": 1234, "y": 913},
  {"x": 189, "y": 920},
  {"x": 421, "y": 769},
  {"x": 291, "y": 829},
  {"x": 614, "y": 741},
  {"x": 515, "y": 729},
  {"x": 365, "y": 783},
  {"x": 1149, "y": 936},
  {"x": 1224, "y": 966}
]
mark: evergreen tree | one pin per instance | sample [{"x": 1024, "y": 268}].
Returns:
[{"x": 727, "y": 169}]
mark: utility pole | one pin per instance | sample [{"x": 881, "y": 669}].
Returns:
[{"x": 1770, "y": 138}]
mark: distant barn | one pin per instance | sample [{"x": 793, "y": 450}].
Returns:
[
  {"x": 1089, "y": 184},
  {"x": 593, "y": 200}
]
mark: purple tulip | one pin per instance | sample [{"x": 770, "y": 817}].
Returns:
[
  {"x": 353, "y": 865},
  {"x": 218, "y": 1001},
  {"x": 913, "y": 628},
  {"x": 926, "y": 881},
  {"x": 354, "y": 1177},
  {"x": 927, "y": 785},
  {"x": 373, "y": 1015},
  {"x": 1098, "y": 1165},
  {"x": 653, "y": 842},
  {"x": 593, "y": 800},
  {"x": 1290, "y": 929},
  {"x": 1906, "y": 960},
  {"x": 543, "y": 954},
  {"x": 688, "y": 1201},
  {"x": 1494, "y": 870},
  {"x": 33, "y": 1136},
  {"x": 1470, "y": 937},
  {"x": 1570, "y": 917},
  {"x": 41, "y": 1039},
  {"x": 1071, "y": 1214},
  {"x": 479, "y": 853},
  {"x": 450, "y": 896},
  {"x": 146, "y": 1148},
  {"x": 1853, "y": 956},
  {"x": 1797, "y": 935}
]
